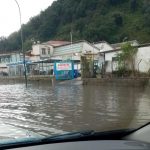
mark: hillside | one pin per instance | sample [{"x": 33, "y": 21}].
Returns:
[{"x": 92, "y": 20}]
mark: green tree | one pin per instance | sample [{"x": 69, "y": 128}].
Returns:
[
  {"x": 115, "y": 2},
  {"x": 146, "y": 11},
  {"x": 93, "y": 20},
  {"x": 133, "y": 5},
  {"x": 118, "y": 19},
  {"x": 126, "y": 58}
]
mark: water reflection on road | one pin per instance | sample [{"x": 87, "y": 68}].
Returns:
[{"x": 47, "y": 109}]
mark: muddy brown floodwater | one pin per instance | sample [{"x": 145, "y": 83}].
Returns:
[{"x": 68, "y": 106}]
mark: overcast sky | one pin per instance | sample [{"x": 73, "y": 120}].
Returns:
[{"x": 9, "y": 13}]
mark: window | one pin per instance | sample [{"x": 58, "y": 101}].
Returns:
[
  {"x": 48, "y": 51},
  {"x": 43, "y": 51}
]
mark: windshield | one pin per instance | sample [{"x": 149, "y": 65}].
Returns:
[{"x": 69, "y": 66}]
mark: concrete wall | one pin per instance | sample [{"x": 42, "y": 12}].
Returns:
[
  {"x": 109, "y": 56},
  {"x": 37, "y": 50},
  {"x": 141, "y": 82},
  {"x": 15, "y": 58},
  {"x": 108, "y": 60},
  {"x": 35, "y": 58},
  {"x": 143, "y": 59}
]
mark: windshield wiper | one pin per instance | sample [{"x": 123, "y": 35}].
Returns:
[
  {"x": 71, "y": 137},
  {"x": 68, "y": 137},
  {"x": 88, "y": 136}
]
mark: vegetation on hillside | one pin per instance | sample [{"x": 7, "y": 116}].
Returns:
[{"x": 92, "y": 20}]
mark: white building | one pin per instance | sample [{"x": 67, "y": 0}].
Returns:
[
  {"x": 52, "y": 51},
  {"x": 41, "y": 55},
  {"x": 104, "y": 46},
  {"x": 61, "y": 49},
  {"x": 142, "y": 62},
  {"x": 75, "y": 50},
  {"x": 7, "y": 59},
  {"x": 42, "y": 51},
  {"x": 118, "y": 45},
  {"x": 142, "y": 59}
]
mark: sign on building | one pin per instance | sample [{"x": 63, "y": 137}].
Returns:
[
  {"x": 63, "y": 66},
  {"x": 64, "y": 70}
]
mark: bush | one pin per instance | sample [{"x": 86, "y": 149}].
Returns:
[{"x": 122, "y": 72}]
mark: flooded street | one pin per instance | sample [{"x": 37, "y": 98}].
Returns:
[{"x": 46, "y": 109}]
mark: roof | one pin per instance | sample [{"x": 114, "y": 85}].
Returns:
[
  {"x": 144, "y": 45},
  {"x": 29, "y": 53},
  {"x": 80, "y": 41},
  {"x": 101, "y": 42},
  {"x": 119, "y": 49},
  {"x": 56, "y": 43},
  {"x": 118, "y": 45}
]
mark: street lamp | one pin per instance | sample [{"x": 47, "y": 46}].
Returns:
[{"x": 24, "y": 64}]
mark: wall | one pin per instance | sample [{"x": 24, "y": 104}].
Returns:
[
  {"x": 109, "y": 56},
  {"x": 47, "y": 48},
  {"x": 35, "y": 49},
  {"x": 35, "y": 58},
  {"x": 37, "y": 52},
  {"x": 128, "y": 82},
  {"x": 108, "y": 60},
  {"x": 3, "y": 65},
  {"x": 15, "y": 58},
  {"x": 143, "y": 55},
  {"x": 3, "y": 70}
]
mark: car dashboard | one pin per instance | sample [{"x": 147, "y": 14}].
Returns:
[{"x": 92, "y": 145}]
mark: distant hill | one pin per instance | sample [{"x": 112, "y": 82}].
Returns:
[{"x": 92, "y": 20}]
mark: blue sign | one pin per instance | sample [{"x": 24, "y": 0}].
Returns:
[{"x": 64, "y": 70}]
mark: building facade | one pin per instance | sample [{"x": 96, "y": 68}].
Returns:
[
  {"x": 142, "y": 59},
  {"x": 45, "y": 54},
  {"x": 7, "y": 59}
]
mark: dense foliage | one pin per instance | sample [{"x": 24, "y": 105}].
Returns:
[
  {"x": 126, "y": 58},
  {"x": 92, "y": 20}
]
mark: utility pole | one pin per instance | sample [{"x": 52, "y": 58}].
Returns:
[
  {"x": 24, "y": 63},
  {"x": 71, "y": 41}
]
